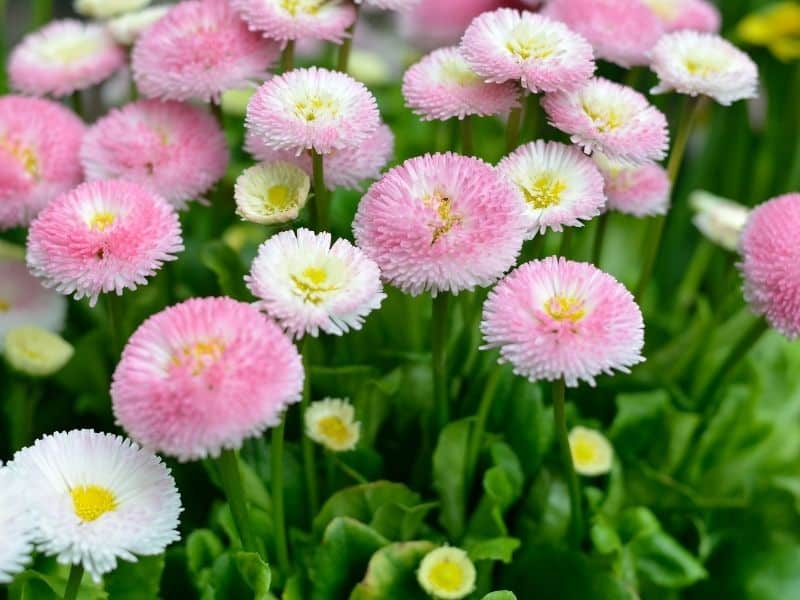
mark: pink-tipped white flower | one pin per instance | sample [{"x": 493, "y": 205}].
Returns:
[
  {"x": 558, "y": 319},
  {"x": 39, "y": 144},
  {"x": 64, "y": 57},
  {"x": 614, "y": 119},
  {"x": 559, "y": 186},
  {"x": 443, "y": 86},
  {"x": 704, "y": 64},
  {"x": 442, "y": 222},
  {"x": 286, "y": 20},
  {"x": 771, "y": 256},
  {"x": 103, "y": 236},
  {"x": 307, "y": 285},
  {"x": 638, "y": 190},
  {"x": 677, "y": 15},
  {"x": 313, "y": 109},
  {"x": 204, "y": 375},
  {"x": 720, "y": 220},
  {"x": 199, "y": 49},
  {"x": 176, "y": 149},
  {"x": 16, "y": 526},
  {"x": 544, "y": 55}
]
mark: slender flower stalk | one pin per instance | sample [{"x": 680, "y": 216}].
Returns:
[
  {"x": 513, "y": 128},
  {"x": 576, "y": 510},
  {"x": 231, "y": 477},
  {"x": 309, "y": 457},
  {"x": 347, "y": 45},
  {"x": 467, "y": 138},
  {"x": 287, "y": 56},
  {"x": 278, "y": 513},
  {"x": 489, "y": 390},
  {"x": 74, "y": 581},
  {"x": 319, "y": 203},
  {"x": 114, "y": 312},
  {"x": 599, "y": 238},
  {"x": 439, "y": 332}
]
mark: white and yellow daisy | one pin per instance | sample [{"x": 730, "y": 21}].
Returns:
[
  {"x": 36, "y": 351},
  {"x": 271, "y": 192},
  {"x": 719, "y": 219},
  {"x": 592, "y": 453},
  {"x": 103, "y": 9},
  {"x": 331, "y": 423},
  {"x": 126, "y": 28},
  {"x": 15, "y": 527},
  {"x": 447, "y": 573}
]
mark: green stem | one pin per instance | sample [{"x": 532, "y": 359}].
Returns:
[
  {"x": 74, "y": 582},
  {"x": 287, "y": 56},
  {"x": 533, "y": 248},
  {"x": 76, "y": 99},
  {"x": 695, "y": 271},
  {"x": 478, "y": 430},
  {"x": 348, "y": 470},
  {"x": 3, "y": 48},
  {"x": 22, "y": 403},
  {"x": 467, "y": 143},
  {"x": 439, "y": 357},
  {"x": 319, "y": 209},
  {"x": 278, "y": 514},
  {"x": 114, "y": 313},
  {"x": 228, "y": 464},
  {"x": 566, "y": 242},
  {"x": 599, "y": 238},
  {"x": 512, "y": 132},
  {"x": 576, "y": 510},
  {"x": 347, "y": 44},
  {"x": 309, "y": 459},
  {"x": 531, "y": 117},
  {"x": 41, "y": 12}
]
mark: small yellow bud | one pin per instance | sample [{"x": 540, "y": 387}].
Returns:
[{"x": 35, "y": 351}]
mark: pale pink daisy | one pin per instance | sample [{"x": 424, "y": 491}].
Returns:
[
  {"x": 39, "y": 144},
  {"x": 313, "y": 109},
  {"x": 103, "y": 236},
  {"x": 441, "y": 223},
  {"x": 558, "y": 185},
  {"x": 63, "y": 57},
  {"x": 443, "y": 86},
  {"x": 771, "y": 256},
  {"x": 287, "y": 20},
  {"x": 176, "y": 149},
  {"x": 704, "y": 64},
  {"x": 198, "y": 50},
  {"x": 511, "y": 45},
  {"x": 638, "y": 190},
  {"x": 614, "y": 119},
  {"x": 677, "y": 15},
  {"x": 559, "y": 319},
  {"x": 433, "y": 23},
  {"x": 204, "y": 375}
]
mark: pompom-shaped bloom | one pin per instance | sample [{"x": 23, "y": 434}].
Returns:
[
  {"x": 592, "y": 453},
  {"x": 95, "y": 498},
  {"x": 718, "y": 219},
  {"x": 621, "y": 31},
  {"x": 441, "y": 222},
  {"x": 331, "y": 423},
  {"x": 555, "y": 318},
  {"x": 63, "y": 57},
  {"x": 175, "y": 149},
  {"x": 39, "y": 145},
  {"x": 560, "y": 186},
  {"x": 544, "y": 55},
  {"x": 704, "y": 64},
  {"x": 697, "y": 15},
  {"x": 614, "y": 119},
  {"x": 271, "y": 192},
  {"x": 204, "y": 375},
  {"x": 306, "y": 284},
  {"x": 286, "y": 20},
  {"x": 103, "y": 236},
  {"x": 447, "y": 573},
  {"x": 638, "y": 190},
  {"x": 442, "y": 86},
  {"x": 313, "y": 109},
  {"x": 127, "y": 28},
  {"x": 199, "y": 49},
  {"x": 770, "y": 265},
  {"x": 16, "y": 527},
  {"x": 36, "y": 352},
  {"x": 103, "y": 9}
]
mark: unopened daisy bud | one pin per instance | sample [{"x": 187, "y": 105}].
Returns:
[
  {"x": 638, "y": 190},
  {"x": 286, "y": 20},
  {"x": 719, "y": 219},
  {"x": 127, "y": 28},
  {"x": 271, "y": 193},
  {"x": 16, "y": 526},
  {"x": 103, "y": 9},
  {"x": 36, "y": 352},
  {"x": 696, "y": 15},
  {"x": 331, "y": 423},
  {"x": 592, "y": 453},
  {"x": 447, "y": 573}
]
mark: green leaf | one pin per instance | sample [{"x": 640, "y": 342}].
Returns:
[
  {"x": 227, "y": 266},
  {"x": 544, "y": 516},
  {"x": 501, "y": 548},
  {"x": 33, "y": 585},
  {"x": 203, "y": 547},
  {"x": 502, "y": 485},
  {"x": 400, "y": 523},
  {"x": 391, "y": 574},
  {"x": 255, "y": 572},
  {"x": 528, "y": 424},
  {"x": 449, "y": 474},
  {"x": 502, "y": 595},
  {"x": 665, "y": 562},
  {"x": 140, "y": 580}
]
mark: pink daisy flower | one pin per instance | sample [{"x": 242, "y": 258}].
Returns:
[
  {"x": 621, "y": 31},
  {"x": 286, "y": 20},
  {"x": 199, "y": 49},
  {"x": 63, "y": 57},
  {"x": 614, "y": 119},
  {"x": 555, "y": 318},
  {"x": 442, "y": 222},
  {"x": 770, "y": 265},
  {"x": 204, "y": 375},
  {"x": 677, "y": 15},
  {"x": 312, "y": 109},
  {"x": 442, "y": 86},
  {"x": 640, "y": 190},
  {"x": 103, "y": 236},
  {"x": 510, "y": 45},
  {"x": 433, "y": 23},
  {"x": 559, "y": 186},
  {"x": 307, "y": 285},
  {"x": 176, "y": 149},
  {"x": 39, "y": 143}
]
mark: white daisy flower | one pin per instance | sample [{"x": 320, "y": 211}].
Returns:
[
  {"x": 16, "y": 531},
  {"x": 126, "y": 28},
  {"x": 592, "y": 453},
  {"x": 447, "y": 573},
  {"x": 331, "y": 423},
  {"x": 271, "y": 192},
  {"x": 719, "y": 219},
  {"x": 103, "y": 9},
  {"x": 35, "y": 351}
]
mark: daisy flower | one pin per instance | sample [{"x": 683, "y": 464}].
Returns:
[
  {"x": 287, "y": 20},
  {"x": 63, "y": 57},
  {"x": 556, "y": 318},
  {"x": 36, "y": 352},
  {"x": 125, "y": 29},
  {"x": 442, "y": 86},
  {"x": 697, "y": 15},
  {"x": 307, "y": 285},
  {"x": 718, "y": 219},
  {"x": 559, "y": 185},
  {"x": 95, "y": 498},
  {"x": 771, "y": 255},
  {"x": 104, "y": 9},
  {"x": 271, "y": 193},
  {"x": 447, "y": 573},
  {"x": 39, "y": 144},
  {"x": 441, "y": 222},
  {"x": 614, "y": 119},
  {"x": 592, "y": 453},
  {"x": 199, "y": 49},
  {"x": 16, "y": 528},
  {"x": 331, "y": 423},
  {"x": 312, "y": 109},
  {"x": 638, "y": 190},
  {"x": 544, "y": 55},
  {"x": 175, "y": 149},
  {"x": 704, "y": 64},
  {"x": 103, "y": 236}
]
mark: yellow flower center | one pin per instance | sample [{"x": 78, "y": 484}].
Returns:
[
  {"x": 23, "y": 154},
  {"x": 458, "y": 73},
  {"x": 69, "y": 51},
  {"x": 312, "y": 284},
  {"x": 308, "y": 7},
  {"x": 605, "y": 118},
  {"x": 101, "y": 221},
  {"x": 703, "y": 66},
  {"x": 666, "y": 9},
  {"x": 446, "y": 218},
  {"x": 200, "y": 355},
  {"x": 545, "y": 191},
  {"x": 317, "y": 107},
  {"x": 565, "y": 308},
  {"x": 335, "y": 429},
  {"x": 583, "y": 451},
  {"x": 278, "y": 198},
  {"x": 446, "y": 576},
  {"x": 525, "y": 46},
  {"x": 92, "y": 501},
  {"x": 5, "y": 305}
]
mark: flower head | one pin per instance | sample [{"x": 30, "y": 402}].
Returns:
[
  {"x": 271, "y": 192},
  {"x": 592, "y": 454},
  {"x": 607, "y": 117},
  {"x": 313, "y": 109},
  {"x": 638, "y": 190},
  {"x": 35, "y": 351},
  {"x": 447, "y": 573},
  {"x": 176, "y": 149},
  {"x": 103, "y": 9},
  {"x": 39, "y": 144},
  {"x": 677, "y": 15},
  {"x": 556, "y": 318},
  {"x": 286, "y": 20},
  {"x": 511, "y": 45},
  {"x": 204, "y": 375},
  {"x": 441, "y": 222},
  {"x": 95, "y": 498},
  {"x": 199, "y": 49},
  {"x": 16, "y": 528},
  {"x": 63, "y": 57},
  {"x": 559, "y": 185},
  {"x": 331, "y": 422},
  {"x": 103, "y": 236},
  {"x": 125, "y": 29},
  {"x": 704, "y": 64},
  {"x": 442, "y": 86},
  {"x": 719, "y": 219}
]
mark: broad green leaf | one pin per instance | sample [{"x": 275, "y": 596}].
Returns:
[
  {"x": 227, "y": 266},
  {"x": 502, "y": 595},
  {"x": 544, "y": 514},
  {"x": 665, "y": 562},
  {"x": 528, "y": 424},
  {"x": 502, "y": 485},
  {"x": 140, "y": 580},
  {"x": 33, "y": 585},
  {"x": 391, "y": 574},
  {"x": 203, "y": 547},
  {"x": 400, "y": 523},
  {"x": 501, "y": 548},
  {"x": 449, "y": 474},
  {"x": 255, "y": 572}
]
